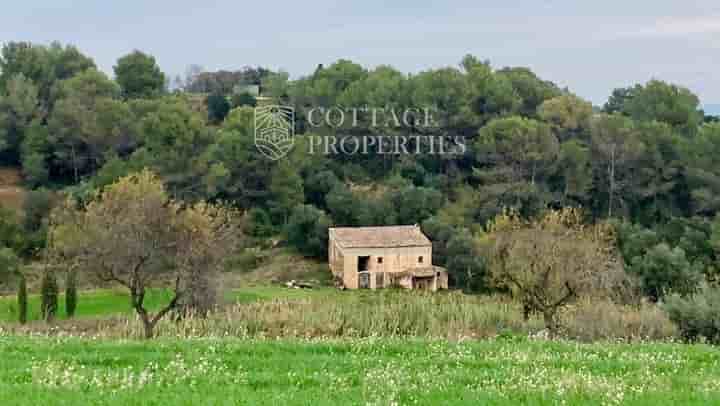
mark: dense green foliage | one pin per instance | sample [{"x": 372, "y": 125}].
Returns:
[
  {"x": 218, "y": 107},
  {"x": 9, "y": 263},
  {"x": 647, "y": 160},
  {"x": 139, "y": 76},
  {"x": 243, "y": 99},
  {"x": 645, "y": 168},
  {"x": 307, "y": 230},
  {"x": 698, "y": 316}
]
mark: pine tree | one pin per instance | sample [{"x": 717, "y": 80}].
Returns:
[{"x": 49, "y": 295}]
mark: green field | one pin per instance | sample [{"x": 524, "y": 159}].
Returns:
[
  {"x": 106, "y": 302},
  {"x": 282, "y": 346},
  {"x": 372, "y": 371}
]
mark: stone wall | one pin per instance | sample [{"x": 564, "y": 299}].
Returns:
[{"x": 386, "y": 260}]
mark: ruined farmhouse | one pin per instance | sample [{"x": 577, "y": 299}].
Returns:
[{"x": 379, "y": 257}]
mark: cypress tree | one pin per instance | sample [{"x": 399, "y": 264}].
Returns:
[
  {"x": 49, "y": 295},
  {"x": 71, "y": 293},
  {"x": 22, "y": 300}
]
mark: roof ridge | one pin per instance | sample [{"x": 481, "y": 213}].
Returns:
[{"x": 380, "y": 236}]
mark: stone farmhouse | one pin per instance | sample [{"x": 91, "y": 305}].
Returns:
[{"x": 379, "y": 257}]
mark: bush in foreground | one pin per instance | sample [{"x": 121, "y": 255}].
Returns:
[{"x": 697, "y": 316}]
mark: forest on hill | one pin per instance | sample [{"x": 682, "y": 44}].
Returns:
[{"x": 647, "y": 162}]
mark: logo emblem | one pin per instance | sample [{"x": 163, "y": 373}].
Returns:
[{"x": 274, "y": 130}]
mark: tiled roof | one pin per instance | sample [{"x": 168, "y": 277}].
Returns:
[
  {"x": 421, "y": 272},
  {"x": 379, "y": 237}
]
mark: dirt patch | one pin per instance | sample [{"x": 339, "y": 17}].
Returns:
[
  {"x": 277, "y": 266},
  {"x": 12, "y": 194},
  {"x": 12, "y": 197},
  {"x": 10, "y": 176}
]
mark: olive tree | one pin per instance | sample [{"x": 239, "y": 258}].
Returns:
[
  {"x": 133, "y": 234},
  {"x": 550, "y": 262},
  {"x": 204, "y": 235}
]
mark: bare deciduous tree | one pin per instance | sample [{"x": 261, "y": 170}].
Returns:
[
  {"x": 205, "y": 235},
  {"x": 133, "y": 234},
  {"x": 550, "y": 262}
]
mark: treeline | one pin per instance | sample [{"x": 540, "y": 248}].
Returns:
[
  {"x": 222, "y": 82},
  {"x": 648, "y": 159}
]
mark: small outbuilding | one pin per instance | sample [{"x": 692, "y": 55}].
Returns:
[{"x": 379, "y": 257}]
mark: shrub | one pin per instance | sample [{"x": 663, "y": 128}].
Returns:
[
  {"x": 662, "y": 270},
  {"x": 11, "y": 233},
  {"x": 466, "y": 267},
  {"x": 317, "y": 187},
  {"x": 37, "y": 206},
  {"x": 697, "y": 316},
  {"x": 218, "y": 107},
  {"x": 9, "y": 263},
  {"x": 307, "y": 230},
  {"x": 35, "y": 169},
  {"x": 592, "y": 319},
  {"x": 243, "y": 99},
  {"x": 258, "y": 223},
  {"x": 246, "y": 261}
]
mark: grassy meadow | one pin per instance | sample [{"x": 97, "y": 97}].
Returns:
[
  {"x": 370, "y": 371},
  {"x": 107, "y": 302},
  {"x": 94, "y": 303},
  {"x": 272, "y": 345}
]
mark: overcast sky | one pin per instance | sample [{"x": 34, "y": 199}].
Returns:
[{"x": 590, "y": 47}]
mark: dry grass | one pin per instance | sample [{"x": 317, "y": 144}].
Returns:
[
  {"x": 384, "y": 314},
  {"x": 601, "y": 320}
]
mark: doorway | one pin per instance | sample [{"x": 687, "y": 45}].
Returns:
[
  {"x": 363, "y": 263},
  {"x": 363, "y": 274},
  {"x": 423, "y": 283}
]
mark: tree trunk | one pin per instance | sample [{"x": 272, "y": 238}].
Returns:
[
  {"x": 149, "y": 329},
  {"x": 550, "y": 322},
  {"x": 149, "y": 323},
  {"x": 526, "y": 312},
  {"x": 75, "y": 165},
  {"x": 532, "y": 177}
]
